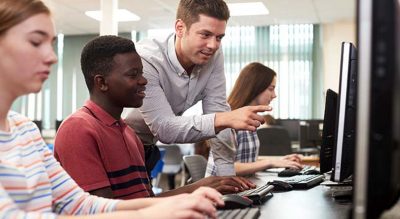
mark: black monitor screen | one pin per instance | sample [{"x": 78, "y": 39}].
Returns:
[
  {"x": 310, "y": 133},
  {"x": 328, "y": 132},
  {"x": 377, "y": 175},
  {"x": 346, "y": 114},
  {"x": 292, "y": 125}
]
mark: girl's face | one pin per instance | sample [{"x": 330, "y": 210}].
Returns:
[
  {"x": 26, "y": 52},
  {"x": 267, "y": 95}
]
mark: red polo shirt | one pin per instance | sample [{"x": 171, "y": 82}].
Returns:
[{"x": 99, "y": 151}]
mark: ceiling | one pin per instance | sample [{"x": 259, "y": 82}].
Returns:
[{"x": 70, "y": 18}]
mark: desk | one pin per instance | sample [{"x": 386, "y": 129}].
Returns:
[{"x": 312, "y": 203}]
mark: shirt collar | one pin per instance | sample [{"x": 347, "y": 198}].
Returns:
[
  {"x": 102, "y": 115},
  {"x": 174, "y": 59},
  {"x": 172, "y": 56}
]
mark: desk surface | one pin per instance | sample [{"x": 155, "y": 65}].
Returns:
[{"x": 312, "y": 203}]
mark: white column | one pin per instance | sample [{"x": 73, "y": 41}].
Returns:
[
  {"x": 60, "y": 76},
  {"x": 39, "y": 97},
  {"x": 31, "y": 106},
  {"x": 109, "y": 22}
]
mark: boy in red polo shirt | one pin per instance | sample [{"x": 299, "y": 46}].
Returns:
[{"x": 95, "y": 146}]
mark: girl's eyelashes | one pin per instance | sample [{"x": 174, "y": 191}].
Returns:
[{"x": 35, "y": 43}]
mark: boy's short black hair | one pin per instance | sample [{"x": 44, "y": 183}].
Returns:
[{"x": 98, "y": 54}]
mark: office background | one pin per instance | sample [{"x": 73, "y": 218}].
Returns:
[{"x": 299, "y": 39}]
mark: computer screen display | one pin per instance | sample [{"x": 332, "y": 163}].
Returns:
[
  {"x": 292, "y": 125},
  {"x": 310, "y": 133},
  {"x": 377, "y": 172},
  {"x": 346, "y": 114},
  {"x": 328, "y": 132}
]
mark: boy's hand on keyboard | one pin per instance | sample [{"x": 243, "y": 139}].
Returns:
[{"x": 226, "y": 184}]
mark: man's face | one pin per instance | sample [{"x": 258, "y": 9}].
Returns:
[
  {"x": 199, "y": 43},
  {"x": 126, "y": 84}
]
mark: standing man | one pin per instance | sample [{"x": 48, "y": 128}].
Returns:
[{"x": 186, "y": 68}]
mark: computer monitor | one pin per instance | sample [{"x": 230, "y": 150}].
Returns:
[
  {"x": 328, "y": 133},
  {"x": 377, "y": 172},
  {"x": 310, "y": 135},
  {"x": 346, "y": 114},
  {"x": 292, "y": 125}
]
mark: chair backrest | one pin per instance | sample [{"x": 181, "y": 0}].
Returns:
[
  {"x": 173, "y": 154},
  {"x": 274, "y": 140},
  {"x": 196, "y": 165},
  {"x": 159, "y": 165}
]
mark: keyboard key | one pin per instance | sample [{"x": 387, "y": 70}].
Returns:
[{"x": 245, "y": 213}]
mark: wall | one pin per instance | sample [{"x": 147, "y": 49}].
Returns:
[{"x": 333, "y": 35}]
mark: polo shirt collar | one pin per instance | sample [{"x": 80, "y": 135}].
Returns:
[{"x": 102, "y": 115}]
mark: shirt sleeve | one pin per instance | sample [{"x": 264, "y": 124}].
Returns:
[
  {"x": 215, "y": 92},
  {"x": 163, "y": 123},
  {"x": 8, "y": 209},
  {"x": 68, "y": 197},
  {"x": 87, "y": 169},
  {"x": 223, "y": 146}
]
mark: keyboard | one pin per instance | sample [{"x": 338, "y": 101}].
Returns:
[
  {"x": 259, "y": 194},
  {"x": 304, "y": 181},
  {"x": 244, "y": 213}
]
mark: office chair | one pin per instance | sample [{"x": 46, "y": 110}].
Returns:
[
  {"x": 155, "y": 174},
  {"x": 196, "y": 165},
  {"x": 58, "y": 123},
  {"x": 274, "y": 141},
  {"x": 172, "y": 163},
  {"x": 38, "y": 123}
]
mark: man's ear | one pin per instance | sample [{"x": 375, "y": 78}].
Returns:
[
  {"x": 179, "y": 28},
  {"x": 100, "y": 82}
]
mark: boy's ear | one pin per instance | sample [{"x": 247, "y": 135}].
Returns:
[{"x": 100, "y": 83}]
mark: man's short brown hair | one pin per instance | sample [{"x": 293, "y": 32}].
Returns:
[{"x": 189, "y": 10}]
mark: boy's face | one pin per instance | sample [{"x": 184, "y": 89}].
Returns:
[
  {"x": 126, "y": 84},
  {"x": 200, "y": 42}
]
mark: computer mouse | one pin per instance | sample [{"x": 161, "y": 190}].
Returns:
[
  {"x": 281, "y": 185},
  {"x": 311, "y": 172},
  {"x": 234, "y": 201}
]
